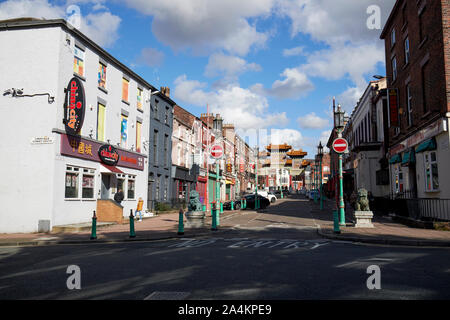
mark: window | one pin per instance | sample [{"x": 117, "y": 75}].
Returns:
[
  {"x": 131, "y": 187},
  {"x": 101, "y": 109},
  {"x": 125, "y": 85},
  {"x": 155, "y": 147},
  {"x": 139, "y": 99},
  {"x": 407, "y": 55},
  {"x": 102, "y": 75},
  {"x": 409, "y": 104},
  {"x": 392, "y": 37},
  {"x": 138, "y": 136},
  {"x": 398, "y": 179},
  {"x": 157, "y": 187},
  {"x": 426, "y": 87},
  {"x": 394, "y": 69},
  {"x": 75, "y": 175},
  {"x": 78, "y": 61},
  {"x": 71, "y": 185},
  {"x": 431, "y": 171},
  {"x": 123, "y": 131},
  {"x": 166, "y": 149},
  {"x": 156, "y": 108},
  {"x": 87, "y": 185},
  {"x": 166, "y": 187},
  {"x": 166, "y": 116},
  {"x": 121, "y": 182}
]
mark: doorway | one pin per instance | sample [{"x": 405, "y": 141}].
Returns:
[{"x": 106, "y": 186}]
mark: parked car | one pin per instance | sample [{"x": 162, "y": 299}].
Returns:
[
  {"x": 312, "y": 193},
  {"x": 236, "y": 206},
  {"x": 272, "y": 198},
  {"x": 302, "y": 192},
  {"x": 264, "y": 202}
]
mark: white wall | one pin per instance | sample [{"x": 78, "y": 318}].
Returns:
[
  {"x": 33, "y": 175},
  {"x": 28, "y": 60}
]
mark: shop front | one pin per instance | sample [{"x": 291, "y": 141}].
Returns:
[
  {"x": 92, "y": 174},
  {"x": 419, "y": 163}
]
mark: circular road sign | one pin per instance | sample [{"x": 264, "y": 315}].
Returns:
[
  {"x": 340, "y": 145},
  {"x": 216, "y": 151}
]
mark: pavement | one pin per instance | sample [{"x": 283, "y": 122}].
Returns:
[{"x": 294, "y": 211}]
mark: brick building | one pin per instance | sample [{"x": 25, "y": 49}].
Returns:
[{"x": 417, "y": 48}]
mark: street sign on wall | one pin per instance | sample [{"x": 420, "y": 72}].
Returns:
[{"x": 340, "y": 145}]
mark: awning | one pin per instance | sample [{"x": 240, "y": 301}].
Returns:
[
  {"x": 112, "y": 168},
  {"x": 409, "y": 157},
  {"x": 396, "y": 159},
  {"x": 427, "y": 145}
]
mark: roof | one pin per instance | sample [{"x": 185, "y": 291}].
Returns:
[
  {"x": 389, "y": 20},
  {"x": 297, "y": 153},
  {"x": 28, "y": 23},
  {"x": 279, "y": 147}
]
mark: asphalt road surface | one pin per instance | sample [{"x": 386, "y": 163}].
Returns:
[{"x": 266, "y": 257}]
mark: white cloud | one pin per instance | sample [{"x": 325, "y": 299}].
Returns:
[
  {"x": 344, "y": 61},
  {"x": 290, "y": 136},
  {"x": 228, "y": 66},
  {"x": 101, "y": 26},
  {"x": 151, "y": 57},
  {"x": 205, "y": 25},
  {"x": 349, "y": 98},
  {"x": 312, "y": 121},
  {"x": 294, "y": 85},
  {"x": 242, "y": 107},
  {"x": 293, "y": 52},
  {"x": 334, "y": 21}
]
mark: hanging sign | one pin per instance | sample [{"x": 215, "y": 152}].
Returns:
[
  {"x": 74, "y": 106},
  {"x": 393, "y": 107},
  {"x": 108, "y": 155}
]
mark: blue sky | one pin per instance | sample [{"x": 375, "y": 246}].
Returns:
[{"x": 270, "y": 65}]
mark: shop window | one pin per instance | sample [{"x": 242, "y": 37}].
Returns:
[
  {"x": 87, "y": 186},
  {"x": 71, "y": 185},
  {"x": 431, "y": 171},
  {"x": 78, "y": 61},
  {"x": 125, "y": 86},
  {"x": 102, "y": 75},
  {"x": 74, "y": 176},
  {"x": 398, "y": 179},
  {"x": 131, "y": 187}
]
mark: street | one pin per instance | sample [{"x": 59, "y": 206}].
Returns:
[{"x": 276, "y": 254}]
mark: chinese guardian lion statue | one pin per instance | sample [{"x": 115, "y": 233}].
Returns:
[
  {"x": 194, "y": 202},
  {"x": 362, "y": 202}
]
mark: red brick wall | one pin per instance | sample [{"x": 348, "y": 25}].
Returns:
[{"x": 428, "y": 48}]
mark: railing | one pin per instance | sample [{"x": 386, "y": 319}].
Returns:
[
  {"x": 408, "y": 204},
  {"x": 167, "y": 205}
]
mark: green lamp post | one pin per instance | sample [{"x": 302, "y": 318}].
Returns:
[
  {"x": 320, "y": 157},
  {"x": 339, "y": 127}
]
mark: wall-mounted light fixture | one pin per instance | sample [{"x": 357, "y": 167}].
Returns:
[
  {"x": 151, "y": 93},
  {"x": 18, "y": 93}
]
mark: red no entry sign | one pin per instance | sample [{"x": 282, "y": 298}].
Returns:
[
  {"x": 340, "y": 145},
  {"x": 217, "y": 151}
]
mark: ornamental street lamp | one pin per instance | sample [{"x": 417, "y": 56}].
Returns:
[
  {"x": 316, "y": 178},
  {"x": 339, "y": 127},
  {"x": 320, "y": 156}
]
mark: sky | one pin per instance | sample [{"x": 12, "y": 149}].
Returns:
[{"x": 270, "y": 67}]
